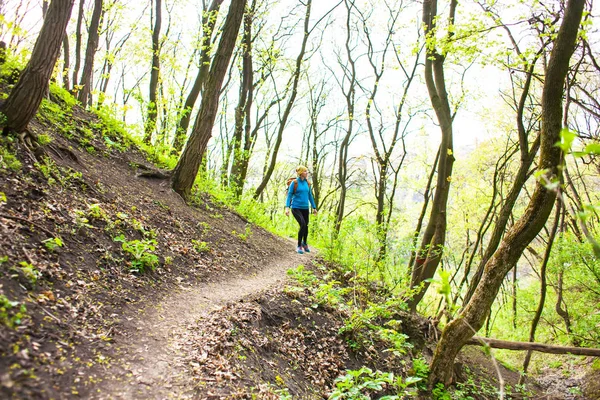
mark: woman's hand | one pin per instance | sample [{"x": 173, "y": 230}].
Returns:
[
  {"x": 287, "y": 212},
  {"x": 314, "y": 210}
]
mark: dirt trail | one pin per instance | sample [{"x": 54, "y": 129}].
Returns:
[{"x": 149, "y": 365}]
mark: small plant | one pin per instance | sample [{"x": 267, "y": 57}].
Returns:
[
  {"x": 140, "y": 253},
  {"x": 29, "y": 271},
  {"x": 52, "y": 244},
  {"x": 43, "y": 139},
  {"x": 363, "y": 383},
  {"x": 303, "y": 276},
  {"x": 3, "y": 198},
  {"x": 11, "y": 312},
  {"x": 8, "y": 160},
  {"x": 95, "y": 212},
  {"x": 244, "y": 236},
  {"x": 200, "y": 246}
]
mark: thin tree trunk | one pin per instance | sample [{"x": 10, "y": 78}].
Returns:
[
  {"x": 85, "y": 93},
  {"x": 543, "y": 290},
  {"x": 188, "y": 165},
  {"x": 78, "y": 43},
  {"x": 242, "y": 111},
  {"x": 470, "y": 320},
  {"x": 342, "y": 172},
  {"x": 209, "y": 18},
  {"x": 152, "y": 110},
  {"x": 430, "y": 251},
  {"x": 288, "y": 109},
  {"x": 67, "y": 63}
]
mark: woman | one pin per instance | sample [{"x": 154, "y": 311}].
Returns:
[{"x": 298, "y": 198}]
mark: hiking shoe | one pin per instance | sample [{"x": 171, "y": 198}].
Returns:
[
  {"x": 305, "y": 248},
  {"x": 299, "y": 250}
]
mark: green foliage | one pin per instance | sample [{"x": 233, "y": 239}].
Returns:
[
  {"x": 113, "y": 131},
  {"x": 3, "y": 198},
  {"x": 29, "y": 272},
  {"x": 52, "y": 243},
  {"x": 364, "y": 383},
  {"x": 244, "y": 236},
  {"x": 11, "y": 312},
  {"x": 303, "y": 276},
  {"x": 140, "y": 253},
  {"x": 200, "y": 246},
  {"x": 54, "y": 173},
  {"x": 8, "y": 160}
]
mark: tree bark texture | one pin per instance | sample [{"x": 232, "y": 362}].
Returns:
[
  {"x": 471, "y": 319},
  {"x": 188, "y": 165},
  {"x": 85, "y": 92},
  {"x": 429, "y": 254},
  {"x": 25, "y": 98},
  {"x": 152, "y": 110}
]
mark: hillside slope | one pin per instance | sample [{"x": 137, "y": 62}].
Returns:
[
  {"x": 112, "y": 287},
  {"x": 75, "y": 227}
]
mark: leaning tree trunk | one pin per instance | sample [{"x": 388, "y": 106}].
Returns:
[
  {"x": 471, "y": 319},
  {"x": 188, "y": 165},
  {"x": 154, "y": 75},
  {"x": 209, "y": 18},
  {"x": 25, "y": 98},
  {"x": 429, "y": 254},
  {"x": 85, "y": 93}
]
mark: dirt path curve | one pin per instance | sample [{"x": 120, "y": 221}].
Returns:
[{"x": 149, "y": 365}]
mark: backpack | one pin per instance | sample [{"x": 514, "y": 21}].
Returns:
[{"x": 295, "y": 180}]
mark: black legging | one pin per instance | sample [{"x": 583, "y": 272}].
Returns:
[{"x": 301, "y": 215}]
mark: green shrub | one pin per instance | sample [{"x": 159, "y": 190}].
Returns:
[
  {"x": 11, "y": 312},
  {"x": 140, "y": 252}
]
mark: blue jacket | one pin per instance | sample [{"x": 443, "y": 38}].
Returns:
[{"x": 301, "y": 198}]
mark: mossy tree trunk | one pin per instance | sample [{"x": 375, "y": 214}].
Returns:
[{"x": 471, "y": 319}]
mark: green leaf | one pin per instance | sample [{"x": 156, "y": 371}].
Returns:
[
  {"x": 592, "y": 148},
  {"x": 566, "y": 139}
]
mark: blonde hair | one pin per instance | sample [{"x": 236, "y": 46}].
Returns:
[{"x": 301, "y": 169}]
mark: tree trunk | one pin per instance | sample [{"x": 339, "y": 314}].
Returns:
[
  {"x": 188, "y": 165},
  {"x": 85, "y": 93},
  {"x": 286, "y": 114},
  {"x": 543, "y": 290},
  {"x": 25, "y": 98},
  {"x": 342, "y": 168},
  {"x": 471, "y": 319},
  {"x": 67, "y": 63},
  {"x": 209, "y": 18},
  {"x": 152, "y": 110},
  {"x": 430, "y": 251},
  {"x": 242, "y": 111}
]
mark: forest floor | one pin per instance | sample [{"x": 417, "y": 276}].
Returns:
[{"x": 212, "y": 316}]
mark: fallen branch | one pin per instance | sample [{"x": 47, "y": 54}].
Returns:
[
  {"x": 14, "y": 218},
  {"x": 544, "y": 348}
]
